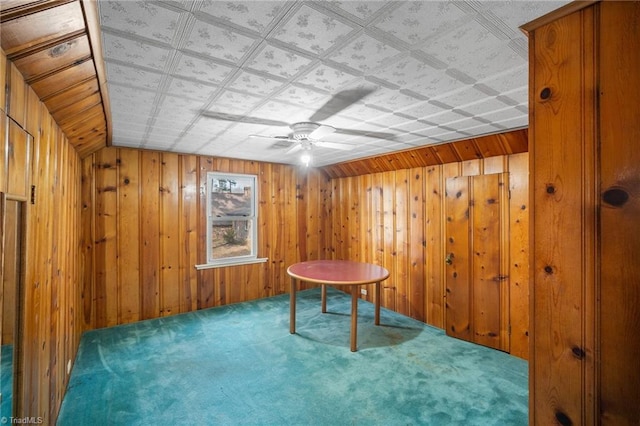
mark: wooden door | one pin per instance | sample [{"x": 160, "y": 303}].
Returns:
[
  {"x": 18, "y": 149},
  {"x": 477, "y": 287}
]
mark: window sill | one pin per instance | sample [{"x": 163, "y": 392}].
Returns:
[{"x": 231, "y": 263}]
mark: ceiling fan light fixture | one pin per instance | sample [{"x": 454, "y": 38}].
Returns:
[{"x": 305, "y": 158}]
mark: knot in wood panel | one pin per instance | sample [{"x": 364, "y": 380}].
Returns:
[
  {"x": 563, "y": 419},
  {"x": 615, "y": 197}
]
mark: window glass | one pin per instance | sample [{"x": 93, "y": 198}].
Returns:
[{"x": 232, "y": 217}]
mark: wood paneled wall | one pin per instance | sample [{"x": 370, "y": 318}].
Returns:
[
  {"x": 396, "y": 219},
  {"x": 585, "y": 202},
  {"x": 35, "y": 153},
  {"x": 506, "y": 143},
  {"x": 56, "y": 47},
  {"x": 145, "y": 229}
]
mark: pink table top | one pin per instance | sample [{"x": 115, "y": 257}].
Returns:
[{"x": 337, "y": 272}]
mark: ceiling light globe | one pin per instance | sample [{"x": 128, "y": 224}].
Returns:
[{"x": 305, "y": 158}]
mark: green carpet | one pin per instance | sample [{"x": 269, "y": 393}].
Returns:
[
  {"x": 6, "y": 380},
  {"x": 238, "y": 364}
]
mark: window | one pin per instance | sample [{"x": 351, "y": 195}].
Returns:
[{"x": 232, "y": 219}]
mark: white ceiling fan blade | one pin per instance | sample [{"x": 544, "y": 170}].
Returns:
[
  {"x": 276, "y": 138},
  {"x": 334, "y": 145},
  {"x": 321, "y": 132},
  {"x": 295, "y": 148}
]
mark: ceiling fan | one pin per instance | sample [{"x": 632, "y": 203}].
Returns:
[{"x": 307, "y": 134}]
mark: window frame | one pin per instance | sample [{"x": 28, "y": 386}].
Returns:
[{"x": 252, "y": 219}]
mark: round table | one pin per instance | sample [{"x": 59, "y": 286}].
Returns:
[{"x": 337, "y": 273}]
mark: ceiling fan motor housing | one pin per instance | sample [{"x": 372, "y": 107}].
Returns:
[{"x": 302, "y": 130}]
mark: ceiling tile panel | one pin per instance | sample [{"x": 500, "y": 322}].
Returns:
[
  {"x": 464, "y": 44},
  {"x": 217, "y": 42},
  {"x": 231, "y": 102},
  {"x": 327, "y": 78},
  {"x": 278, "y": 62},
  {"x": 274, "y": 110},
  {"x": 191, "y": 89},
  {"x": 206, "y": 71},
  {"x": 481, "y": 107},
  {"x": 422, "y": 110},
  {"x": 132, "y": 102},
  {"x": 180, "y": 107},
  {"x": 135, "y": 77},
  {"x": 431, "y": 82},
  {"x": 391, "y": 100},
  {"x": 515, "y": 77},
  {"x": 415, "y": 21},
  {"x": 205, "y": 129},
  {"x": 513, "y": 123},
  {"x": 361, "y": 112},
  {"x": 194, "y": 145},
  {"x": 365, "y": 53},
  {"x": 389, "y": 120},
  {"x": 164, "y": 131},
  {"x": 125, "y": 140},
  {"x": 475, "y": 128},
  {"x": 302, "y": 96},
  {"x": 465, "y": 95},
  {"x": 446, "y": 118},
  {"x": 364, "y": 10},
  {"x": 405, "y": 72},
  {"x": 503, "y": 114},
  {"x": 136, "y": 128},
  {"x": 512, "y": 14},
  {"x": 255, "y": 84},
  {"x": 312, "y": 30},
  {"x": 491, "y": 62},
  {"x": 253, "y": 15},
  {"x": 413, "y": 126},
  {"x": 236, "y": 132},
  {"x": 134, "y": 52},
  {"x": 140, "y": 18},
  {"x": 518, "y": 95}
]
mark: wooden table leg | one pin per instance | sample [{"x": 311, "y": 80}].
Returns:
[
  {"x": 377, "y": 304},
  {"x": 324, "y": 299},
  {"x": 354, "y": 317},
  {"x": 292, "y": 306}
]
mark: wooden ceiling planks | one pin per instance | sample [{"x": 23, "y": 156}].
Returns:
[
  {"x": 506, "y": 143},
  {"x": 55, "y": 45}
]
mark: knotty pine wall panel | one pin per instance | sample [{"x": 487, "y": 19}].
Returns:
[
  {"x": 51, "y": 304},
  {"x": 620, "y": 220},
  {"x": 562, "y": 258},
  {"x": 128, "y": 223},
  {"x": 585, "y": 205},
  {"x": 518, "y": 256},
  {"x": 433, "y": 291},
  {"x": 146, "y": 231},
  {"x": 397, "y": 219}
]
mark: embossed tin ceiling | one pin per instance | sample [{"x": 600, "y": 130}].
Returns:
[{"x": 185, "y": 76}]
